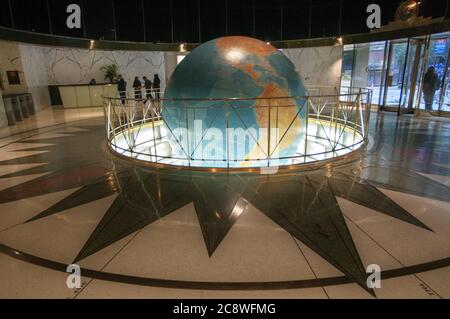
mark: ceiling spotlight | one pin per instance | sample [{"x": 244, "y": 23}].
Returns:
[{"x": 414, "y": 4}]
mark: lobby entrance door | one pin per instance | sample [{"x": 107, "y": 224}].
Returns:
[
  {"x": 438, "y": 56},
  {"x": 402, "y": 75}
]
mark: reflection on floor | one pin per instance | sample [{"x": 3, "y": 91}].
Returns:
[{"x": 143, "y": 232}]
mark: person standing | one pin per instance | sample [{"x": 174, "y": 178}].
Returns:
[
  {"x": 137, "y": 85},
  {"x": 156, "y": 86},
  {"x": 430, "y": 85},
  {"x": 148, "y": 88},
  {"x": 122, "y": 88}
]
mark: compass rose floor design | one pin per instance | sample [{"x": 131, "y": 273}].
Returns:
[{"x": 154, "y": 233}]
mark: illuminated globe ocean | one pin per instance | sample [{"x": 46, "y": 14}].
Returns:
[{"x": 224, "y": 96}]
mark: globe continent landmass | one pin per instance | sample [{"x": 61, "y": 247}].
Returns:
[{"x": 262, "y": 89}]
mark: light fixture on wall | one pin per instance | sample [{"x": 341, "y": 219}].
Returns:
[
  {"x": 180, "y": 58},
  {"x": 339, "y": 41},
  {"x": 91, "y": 44},
  {"x": 182, "y": 48}
]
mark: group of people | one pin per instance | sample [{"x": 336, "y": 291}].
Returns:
[
  {"x": 430, "y": 85},
  {"x": 149, "y": 87}
]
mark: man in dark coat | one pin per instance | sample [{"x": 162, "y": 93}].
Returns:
[
  {"x": 137, "y": 85},
  {"x": 156, "y": 85},
  {"x": 122, "y": 88},
  {"x": 430, "y": 85},
  {"x": 148, "y": 88}
]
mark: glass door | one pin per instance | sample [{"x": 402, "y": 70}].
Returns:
[
  {"x": 401, "y": 89},
  {"x": 445, "y": 104},
  {"x": 411, "y": 77},
  {"x": 394, "y": 74},
  {"x": 363, "y": 66},
  {"x": 434, "y": 92}
]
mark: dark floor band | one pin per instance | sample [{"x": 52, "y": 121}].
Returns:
[{"x": 201, "y": 285}]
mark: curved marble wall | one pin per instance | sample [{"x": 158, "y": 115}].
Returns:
[
  {"x": 40, "y": 66},
  {"x": 78, "y": 66},
  {"x": 318, "y": 65}
]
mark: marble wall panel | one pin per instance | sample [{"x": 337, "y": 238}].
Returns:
[
  {"x": 318, "y": 65},
  {"x": 78, "y": 66},
  {"x": 10, "y": 60}
]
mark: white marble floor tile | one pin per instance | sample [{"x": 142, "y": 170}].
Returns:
[
  {"x": 438, "y": 280},
  {"x": 347, "y": 291},
  {"x": 408, "y": 287},
  {"x": 107, "y": 289},
  {"x": 5, "y": 156},
  {"x": 20, "y": 279},
  {"x": 23, "y": 146},
  {"x": 58, "y": 237},
  {"x": 306, "y": 293},
  {"x": 8, "y": 169},
  {"x": 19, "y": 211},
  {"x": 51, "y": 116},
  {"x": 48, "y": 135},
  {"x": 99, "y": 260},
  {"x": 404, "y": 287},
  {"x": 409, "y": 244},
  {"x": 369, "y": 250},
  {"x": 14, "y": 181},
  {"x": 320, "y": 267},
  {"x": 255, "y": 249}
]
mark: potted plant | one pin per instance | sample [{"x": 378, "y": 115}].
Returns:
[{"x": 110, "y": 72}]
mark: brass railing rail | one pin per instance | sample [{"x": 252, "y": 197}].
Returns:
[{"x": 330, "y": 115}]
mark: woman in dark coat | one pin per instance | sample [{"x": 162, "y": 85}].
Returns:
[{"x": 430, "y": 85}]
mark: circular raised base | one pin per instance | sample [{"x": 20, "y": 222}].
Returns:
[{"x": 152, "y": 144}]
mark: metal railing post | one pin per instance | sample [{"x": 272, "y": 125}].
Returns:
[
  {"x": 306, "y": 129},
  {"x": 358, "y": 105},
  {"x": 226, "y": 131},
  {"x": 154, "y": 139},
  {"x": 108, "y": 120},
  {"x": 187, "y": 132},
  {"x": 368, "y": 109},
  {"x": 268, "y": 135}
]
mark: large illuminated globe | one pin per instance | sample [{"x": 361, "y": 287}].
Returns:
[{"x": 235, "y": 88}]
